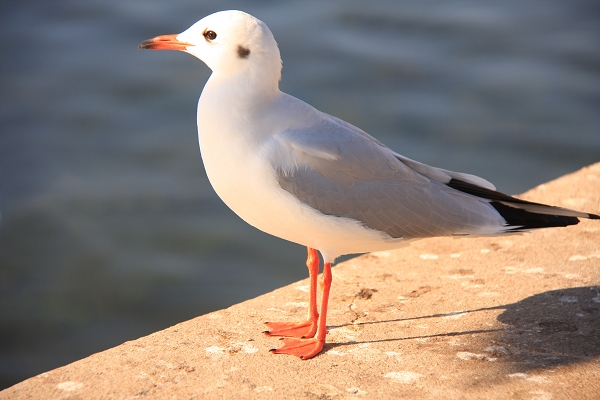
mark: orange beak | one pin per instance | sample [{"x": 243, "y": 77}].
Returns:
[{"x": 164, "y": 42}]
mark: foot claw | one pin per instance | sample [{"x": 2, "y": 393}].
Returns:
[
  {"x": 306, "y": 329},
  {"x": 303, "y": 348}
]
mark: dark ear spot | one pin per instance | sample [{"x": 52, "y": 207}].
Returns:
[{"x": 243, "y": 52}]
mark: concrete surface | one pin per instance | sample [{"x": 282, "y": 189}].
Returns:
[{"x": 513, "y": 317}]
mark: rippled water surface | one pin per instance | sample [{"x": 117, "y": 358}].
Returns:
[{"x": 110, "y": 228}]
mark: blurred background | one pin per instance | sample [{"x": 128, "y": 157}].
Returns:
[{"x": 110, "y": 229}]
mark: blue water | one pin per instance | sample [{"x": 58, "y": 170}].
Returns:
[{"x": 110, "y": 229}]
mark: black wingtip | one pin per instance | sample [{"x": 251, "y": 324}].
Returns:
[
  {"x": 524, "y": 220},
  {"x": 515, "y": 212}
]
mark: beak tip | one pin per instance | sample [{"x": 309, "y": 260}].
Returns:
[{"x": 146, "y": 44}]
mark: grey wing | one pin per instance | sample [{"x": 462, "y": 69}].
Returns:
[
  {"x": 340, "y": 172},
  {"x": 437, "y": 174}
]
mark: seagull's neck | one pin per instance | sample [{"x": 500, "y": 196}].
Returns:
[
  {"x": 231, "y": 97},
  {"x": 232, "y": 111},
  {"x": 243, "y": 87}
]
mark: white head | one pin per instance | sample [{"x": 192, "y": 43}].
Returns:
[{"x": 229, "y": 42}]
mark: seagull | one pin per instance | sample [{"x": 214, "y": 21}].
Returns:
[{"x": 297, "y": 173}]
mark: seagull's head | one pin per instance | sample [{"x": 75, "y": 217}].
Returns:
[{"x": 227, "y": 41}]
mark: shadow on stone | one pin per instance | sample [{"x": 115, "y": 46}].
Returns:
[
  {"x": 553, "y": 328},
  {"x": 548, "y": 329}
]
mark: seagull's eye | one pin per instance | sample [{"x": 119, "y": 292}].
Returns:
[{"x": 210, "y": 35}]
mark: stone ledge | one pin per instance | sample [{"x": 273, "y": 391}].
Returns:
[{"x": 496, "y": 317}]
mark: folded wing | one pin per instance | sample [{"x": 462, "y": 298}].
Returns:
[{"x": 339, "y": 170}]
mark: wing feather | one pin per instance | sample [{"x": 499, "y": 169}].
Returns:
[{"x": 344, "y": 172}]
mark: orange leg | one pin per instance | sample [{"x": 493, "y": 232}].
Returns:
[
  {"x": 306, "y": 348},
  {"x": 308, "y": 328}
]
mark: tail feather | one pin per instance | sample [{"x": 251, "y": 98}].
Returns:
[{"x": 522, "y": 215}]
